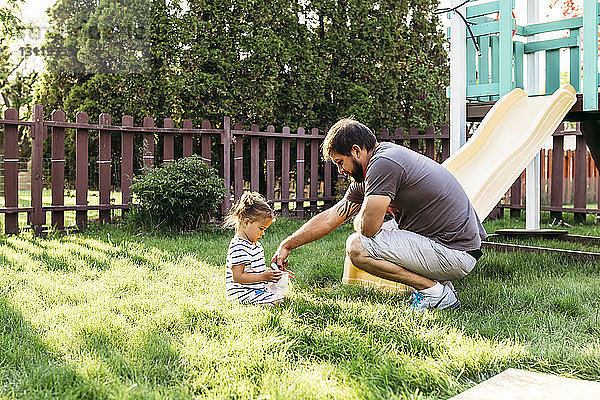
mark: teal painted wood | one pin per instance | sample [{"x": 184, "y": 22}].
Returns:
[
  {"x": 552, "y": 44},
  {"x": 574, "y": 64},
  {"x": 552, "y": 71},
  {"x": 494, "y": 46},
  {"x": 486, "y": 29},
  {"x": 519, "y": 51},
  {"x": 483, "y": 9},
  {"x": 590, "y": 55},
  {"x": 484, "y": 63},
  {"x": 484, "y": 60},
  {"x": 506, "y": 47},
  {"x": 534, "y": 29},
  {"x": 471, "y": 59},
  {"x": 490, "y": 89}
]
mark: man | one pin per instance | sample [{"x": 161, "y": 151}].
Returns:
[{"x": 438, "y": 235}]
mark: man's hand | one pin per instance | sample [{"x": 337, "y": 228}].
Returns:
[{"x": 280, "y": 257}]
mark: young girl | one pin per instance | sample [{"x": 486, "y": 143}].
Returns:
[{"x": 247, "y": 275}]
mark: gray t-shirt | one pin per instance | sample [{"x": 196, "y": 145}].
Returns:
[{"x": 426, "y": 198}]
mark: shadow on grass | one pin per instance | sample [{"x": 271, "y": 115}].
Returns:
[
  {"x": 30, "y": 370},
  {"x": 148, "y": 358}
]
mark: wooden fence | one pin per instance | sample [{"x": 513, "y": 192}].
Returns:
[
  {"x": 569, "y": 178},
  {"x": 286, "y": 166}
]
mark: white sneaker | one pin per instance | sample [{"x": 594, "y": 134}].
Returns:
[
  {"x": 449, "y": 284},
  {"x": 447, "y": 300}
]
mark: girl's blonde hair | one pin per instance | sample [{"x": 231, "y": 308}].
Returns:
[{"x": 251, "y": 206}]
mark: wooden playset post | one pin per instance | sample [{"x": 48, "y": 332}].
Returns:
[
  {"x": 458, "y": 80},
  {"x": 532, "y": 173},
  {"x": 590, "y": 55}
]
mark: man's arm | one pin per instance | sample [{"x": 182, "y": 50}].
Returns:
[
  {"x": 317, "y": 227},
  {"x": 371, "y": 215}
]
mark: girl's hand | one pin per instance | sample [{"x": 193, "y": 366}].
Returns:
[{"x": 272, "y": 275}]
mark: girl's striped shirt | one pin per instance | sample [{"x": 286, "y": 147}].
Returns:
[{"x": 252, "y": 255}]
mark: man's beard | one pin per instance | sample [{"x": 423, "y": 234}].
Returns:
[{"x": 357, "y": 174}]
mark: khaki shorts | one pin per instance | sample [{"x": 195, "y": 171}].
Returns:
[{"x": 418, "y": 254}]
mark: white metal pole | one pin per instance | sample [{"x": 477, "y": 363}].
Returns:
[
  {"x": 532, "y": 173},
  {"x": 458, "y": 80}
]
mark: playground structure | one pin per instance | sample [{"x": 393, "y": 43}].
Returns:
[
  {"x": 511, "y": 58},
  {"x": 487, "y": 75}
]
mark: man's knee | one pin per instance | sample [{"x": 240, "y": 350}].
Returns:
[{"x": 354, "y": 248}]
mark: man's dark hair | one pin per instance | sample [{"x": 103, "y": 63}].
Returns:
[{"x": 346, "y": 133}]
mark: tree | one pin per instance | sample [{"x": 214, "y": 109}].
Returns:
[{"x": 281, "y": 62}]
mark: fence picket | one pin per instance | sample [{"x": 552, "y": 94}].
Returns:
[
  {"x": 104, "y": 167},
  {"x": 429, "y": 144},
  {"x": 58, "y": 170},
  {"x": 254, "y": 160},
  {"x": 188, "y": 139},
  {"x": 148, "y": 143},
  {"x": 556, "y": 186},
  {"x": 38, "y": 134},
  {"x": 300, "y": 164},
  {"x": 285, "y": 172},
  {"x": 445, "y": 142},
  {"x": 238, "y": 162},
  {"x": 270, "y": 165},
  {"x": 414, "y": 143},
  {"x": 580, "y": 181},
  {"x": 206, "y": 142},
  {"x": 126, "y": 160},
  {"x": 11, "y": 172},
  {"x": 314, "y": 169},
  {"x": 81, "y": 170},
  {"x": 226, "y": 140},
  {"x": 169, "y": 142}
]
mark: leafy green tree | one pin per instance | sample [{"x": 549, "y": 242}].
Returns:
[{"x": 282, "y": 62}]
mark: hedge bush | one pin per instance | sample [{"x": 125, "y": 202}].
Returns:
[{"x": 182, "y": 195}]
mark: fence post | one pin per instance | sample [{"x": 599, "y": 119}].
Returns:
[
  {"x": 254, "y": 160},
  {"x": 238, "y": 162},
  {"x": 314, "y": 169},
  {"x": 188, "y": 139},
  {"x": 148, "y": 143},
  {"x": 81, "y": 170},
  {"x": 285, "y": 172},
  {"x": 414, "y": 140},
  {"x": 104, "y": 167},
  {"x": 206, "y": 142},
  {"x": 580, "y": 179},
  {"x": 169, "y": 142},
  {"x": 126, "y": 160},
  {"x": 58, "y": 170},
  {"x": 226, "y": 142},
  {"x": 515, "y": 198},
  {"x": 11, "y": 171},
  {"x": 445, "y": 142},
  {"x": 556, "y": 185},
  {"x": 270, "y": 165},
  {"x": 429, "y": 144},
  {"x": 300, "y": 174},
  {"x": 38, "y": 134}
]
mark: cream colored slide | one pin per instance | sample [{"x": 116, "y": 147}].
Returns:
[{"x": 508, "y": 138}]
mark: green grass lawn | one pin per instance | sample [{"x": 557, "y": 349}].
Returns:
[{"x": 115, "y": 314}]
